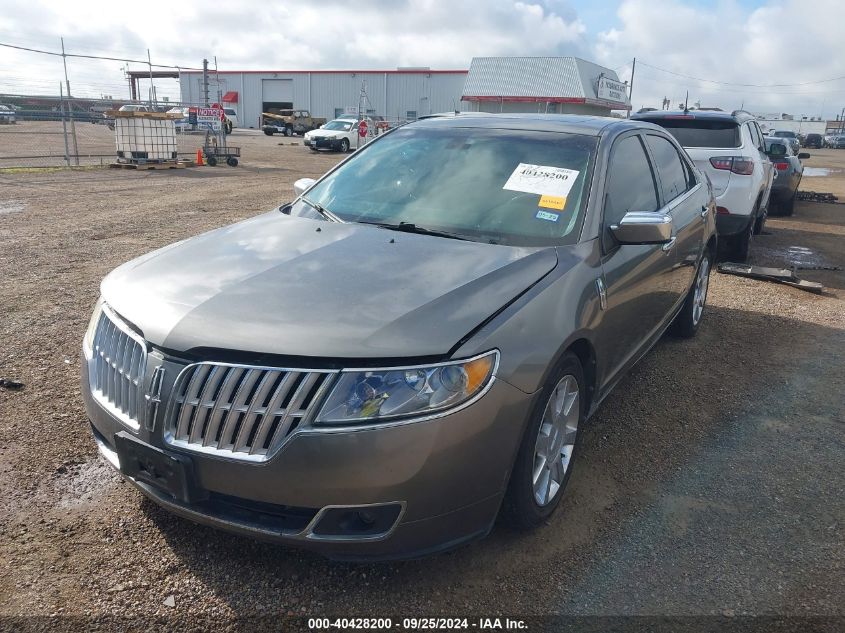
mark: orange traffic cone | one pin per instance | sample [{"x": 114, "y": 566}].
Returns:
[{"x": 199, "y": 158}]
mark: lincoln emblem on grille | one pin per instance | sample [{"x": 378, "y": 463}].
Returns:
[{"x": 153, "y": 397}]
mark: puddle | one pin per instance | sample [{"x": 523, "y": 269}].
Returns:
[
  {"x": 80, "y": 484},
  {"x": 817, "y": 172},
  {"x": 11, "y": 206},
  {"x": 803, "y": 256}
]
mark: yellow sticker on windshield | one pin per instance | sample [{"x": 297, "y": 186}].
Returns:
[{"x": 552, "y": 202}]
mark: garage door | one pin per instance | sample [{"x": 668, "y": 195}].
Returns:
[{"x": 277, "y": 90}]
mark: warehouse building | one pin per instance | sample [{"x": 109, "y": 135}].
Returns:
[
  {"x": 397, "y": 95},
  {"x": 543, "y": 84}
]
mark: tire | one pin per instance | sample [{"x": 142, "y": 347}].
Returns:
[
  {"x": 788, "y": 206},
  {"x": 269, "y": 132},
  {"x": 288, "y": 131},
  {"x": 741, "y": 244},
  {"x": 689, "y": 318},
  {"x": 232, "y": 161},
  {"x": 211, "y": 161},
  {"x": 760, "y": 222},
  {"x": 344, "y": 145},
  {"x": 525, "y": 506}
]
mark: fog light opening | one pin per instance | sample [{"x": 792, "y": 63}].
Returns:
[{"x": 362, "y": 521}]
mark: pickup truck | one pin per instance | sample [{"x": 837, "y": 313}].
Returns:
[{"x": 289, "y": 122}]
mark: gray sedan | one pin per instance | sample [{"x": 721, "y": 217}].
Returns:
[
  {"x": 412, "y": 346},
  {"x": 788, "y": 172}
]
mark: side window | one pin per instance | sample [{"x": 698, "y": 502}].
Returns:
[
  {"x": 674, "y": 177},
  {"x": 755, "y": 137},
  {"x": 761, "y": 144},
  {"x": 630, "y": 185}
]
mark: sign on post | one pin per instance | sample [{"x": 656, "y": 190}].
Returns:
[
  {"x": 611, "y": 90},
  {"x": 362, "y": 129},
  {"x": 210, "y": 118}
]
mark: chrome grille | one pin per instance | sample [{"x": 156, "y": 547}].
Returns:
[
  {"x": 238, "y": 411},
  {"x": 117, "y": 370}
]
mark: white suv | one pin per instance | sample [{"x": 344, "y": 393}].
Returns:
[{"x": 729, "y": 148}]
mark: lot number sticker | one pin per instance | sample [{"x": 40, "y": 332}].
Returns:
[{"x": 554, "y": 182}]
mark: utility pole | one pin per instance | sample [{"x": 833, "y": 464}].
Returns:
[
  {"x": 205, "y": 82},
  {"x": 70, "y": 106},
  {"x": 217, "y": 79},
  {"x": 152, "y": 87},
  {"x": 64, "y": 124},
  {"x": 631, "y": 93}
]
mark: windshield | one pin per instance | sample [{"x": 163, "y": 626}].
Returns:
[
  {"x": 229, "y": 111},
  {"x": 785, "y": 134},
  {"x": 502, "y": 186},
  {"x": 701, "y": 132},
  {"x": 338, "y": 125}
]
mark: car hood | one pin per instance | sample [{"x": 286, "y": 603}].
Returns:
[{"x": 283, "y": 285}]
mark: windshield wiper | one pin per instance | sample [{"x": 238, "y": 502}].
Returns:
[
  {"x": 321, "y": 210},
  {"x": 410, "y": 227}
]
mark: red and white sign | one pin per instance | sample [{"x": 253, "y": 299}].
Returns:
[
  {"x": 362, "y": 129},
  {"x": 210, "y": 118}
]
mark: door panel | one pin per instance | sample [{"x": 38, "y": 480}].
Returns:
[{"x": 638, "y": 278}]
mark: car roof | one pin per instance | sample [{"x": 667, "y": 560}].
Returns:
[
  {"x": 568, "y": 123},
  {"x": 740, "y": 116}
]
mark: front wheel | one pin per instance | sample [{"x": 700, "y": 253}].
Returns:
[
  {"x": 211, "y": 161},
  {"x": 688, "y": 319},
  {"x": 288, "y": 131},
  {"x": 269, "y": 132},
  {"x": 232, "y": 161},
  {"x": 544, "y": 462},
  {"x": 788, "y": 207},
  {"x": 344, "y": 145}
]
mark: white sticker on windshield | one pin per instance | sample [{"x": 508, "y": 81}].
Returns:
[{"x": 542, "y": 180}]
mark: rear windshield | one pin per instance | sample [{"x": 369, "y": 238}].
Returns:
[
  {"x": 783, "y": 134},
  {"x": 701, "y": 132}
]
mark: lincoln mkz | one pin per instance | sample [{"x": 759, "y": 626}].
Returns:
[{"x": 410, "y": 348}]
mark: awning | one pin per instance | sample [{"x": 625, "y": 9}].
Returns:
[{"x": 230, "y": 97}]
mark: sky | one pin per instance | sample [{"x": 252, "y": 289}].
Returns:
[{"x": 773, "y": 44}]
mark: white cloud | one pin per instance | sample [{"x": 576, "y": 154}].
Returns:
[{"x": 784, "y": 42}]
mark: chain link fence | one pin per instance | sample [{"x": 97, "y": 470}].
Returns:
[{"x": 51, "y": 131}]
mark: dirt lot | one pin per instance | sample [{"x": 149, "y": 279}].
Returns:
[
  {"x": 711, "y": 481},
  {"x": 42, "y": 144}
]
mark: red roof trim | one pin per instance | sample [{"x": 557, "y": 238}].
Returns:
[
  {"x": 526, "y": 99},
  {"x": 612, "y": 105},
  {"x": 326, "y": 72}
]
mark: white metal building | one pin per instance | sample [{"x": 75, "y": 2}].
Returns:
[
  {"x": 543, "y": 84},
  {"x": 401, "y": 94}
]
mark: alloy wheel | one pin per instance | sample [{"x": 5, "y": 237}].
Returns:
[
  {"x": 556, "y": 440},
  {"x": 702, "y": 281}
]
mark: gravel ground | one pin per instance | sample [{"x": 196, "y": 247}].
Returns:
[{"x": 709, "y": 483}]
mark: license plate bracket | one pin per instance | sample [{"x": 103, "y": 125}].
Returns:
[{"x": 171, "y": 474}]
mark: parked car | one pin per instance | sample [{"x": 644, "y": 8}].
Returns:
[
  {"x": 232, "y": 117},
  {"x": 793, "y": 137},
  {"x": 377, "y": 368},
  {"x": 814, "y": 140},
  {"x": 339, "y": 135},
  {"x": 183, "y": 123},
  {"x": 290, "y": 122},
  {"x": 130, "y": 107},
  {"x": 788, "y": 172},
  {"x": 837, "y": 141},
  {"x": 729, "y": 148},
  {"x": 7, "y": 115}
]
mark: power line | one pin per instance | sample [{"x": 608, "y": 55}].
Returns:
[
  {"x": 113, "y": 59},
  {"x": 729, "y": 83}
]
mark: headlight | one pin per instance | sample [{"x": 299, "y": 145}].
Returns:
[
  {"x": 88, "y": 340},
  {"x": 374, "y": 395}
]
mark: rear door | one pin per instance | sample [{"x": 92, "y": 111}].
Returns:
[
  {"x": 638, "y": 279},
  {"x": 685, "y": 199}
]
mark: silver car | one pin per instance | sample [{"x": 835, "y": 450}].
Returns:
[{"x": 410, "y": 347}]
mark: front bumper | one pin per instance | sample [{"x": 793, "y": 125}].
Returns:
[
  {"x": 326, "y": 143},
  {"x": 448, "y": 475}
]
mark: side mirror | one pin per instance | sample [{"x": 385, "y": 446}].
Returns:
[
  {"x": 302, "y": 185},
  {"x": 639, "y": 227},
  {"x": 804, "y": 155}
]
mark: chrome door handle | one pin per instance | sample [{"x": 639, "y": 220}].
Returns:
[
  {"x": 704, "y": 211},
  {"x": 668, "y": 245}
]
